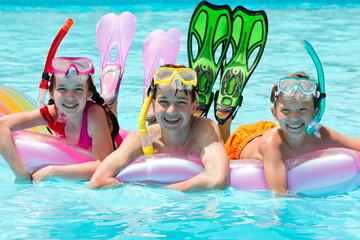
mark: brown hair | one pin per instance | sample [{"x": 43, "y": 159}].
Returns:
[
  {"x": 274, "y": 98},
  {"x": 112, "y": 120},
  {"x": 193, "y": 92}
]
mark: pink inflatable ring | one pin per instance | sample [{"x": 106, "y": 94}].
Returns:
[{"x": 326, "y": 172}]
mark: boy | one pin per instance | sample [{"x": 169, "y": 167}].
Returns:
[
  {"x": 174, "y": 99},
  {"x": 296, "y": 102}
]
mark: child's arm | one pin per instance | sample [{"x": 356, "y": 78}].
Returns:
[
  {"x": 76, "y": 172},
  {"x": 214, "y": 158},
  {"x": 105, "y": 174},
  {"x": 9, "y": 124},
  {"x": 101, "y": 147},
  {"x": 332, "y": 138},
  {"x": 274, "y": 167},
  {"x": 100, "y": 133}
]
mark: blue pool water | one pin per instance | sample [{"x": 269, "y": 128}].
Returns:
[{"x": 70, "y": 210}]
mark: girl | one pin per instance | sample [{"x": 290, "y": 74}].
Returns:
[{"x": 69, "y": 114}]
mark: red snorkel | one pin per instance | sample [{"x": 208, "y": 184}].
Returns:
[{"x": 44, "y": 85}]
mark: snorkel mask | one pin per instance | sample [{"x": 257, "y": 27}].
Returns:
[
  {"x": 297, "y": 87},
  {"x": 179, "y": 79},
  {"x": 303, "y": 87},
  {"x": 62, "y": 65},
  {"x": 182, "y": 79}
]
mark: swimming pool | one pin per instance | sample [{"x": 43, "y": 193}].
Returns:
[{"x": 70, "y": 210}]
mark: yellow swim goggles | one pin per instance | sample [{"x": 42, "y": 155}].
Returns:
[{"x": 175, "y": 77}]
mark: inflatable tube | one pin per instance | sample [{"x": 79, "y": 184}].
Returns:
[
  {"x": 325, "y": 172},
  {"x": 162, "y": 168},
  {"x": 38, "y": 150},
  {"x": 320, "y": 173}
]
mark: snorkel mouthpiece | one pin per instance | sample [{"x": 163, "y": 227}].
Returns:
[{"x": 314, "y": 126}]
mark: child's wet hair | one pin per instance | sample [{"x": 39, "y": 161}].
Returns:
[
  {"x": 274, "y": 98},
  {"x": 112, "y": 120},
  {"x": 193, "y": 92}
]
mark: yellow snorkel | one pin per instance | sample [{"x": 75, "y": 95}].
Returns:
[{"x": 145, "y": 138}]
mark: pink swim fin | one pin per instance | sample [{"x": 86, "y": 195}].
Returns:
[
  {"x": 113, "y": 33},
  {"x": 159, "y": 48}
]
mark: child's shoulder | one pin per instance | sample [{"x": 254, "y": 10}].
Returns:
[
  {"x": 201, "y": 121},
  {"x": 203, "y": 125},
  {"x": 271, "y": 137},
  {"x": 49, "y": 109},
  {"x": 273, "y": 132},
  {"x": 331, "y": 136},
  {"x": 95, "y": 109},
  {"x": 205, "y": 128},
  {"x": 95, "y": 114}
]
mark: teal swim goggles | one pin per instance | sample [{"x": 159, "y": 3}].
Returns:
[{"x": 293, "y": 85}]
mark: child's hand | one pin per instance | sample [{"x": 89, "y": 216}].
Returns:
[{"x": 43, "y": 174}]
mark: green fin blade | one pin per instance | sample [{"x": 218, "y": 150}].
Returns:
[
  {"x": 248, "y": 39},
  {"x": 209, "y": 30}
]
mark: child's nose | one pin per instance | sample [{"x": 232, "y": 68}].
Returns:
[
  {"x": 70, "y": 94},
  {"x": 171, "y": 108},
  {"x": 293, "y": 115}
]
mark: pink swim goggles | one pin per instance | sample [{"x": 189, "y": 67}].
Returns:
[{"x": 83, "y": 66}]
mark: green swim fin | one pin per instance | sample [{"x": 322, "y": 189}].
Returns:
[
  {"x": 248, "y": 38},
  {"x": 210, "y": 28}
]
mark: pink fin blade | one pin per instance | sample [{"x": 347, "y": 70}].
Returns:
[
  {"x": 160, "y": 48},
  {"x": 113, "y": 33}
]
